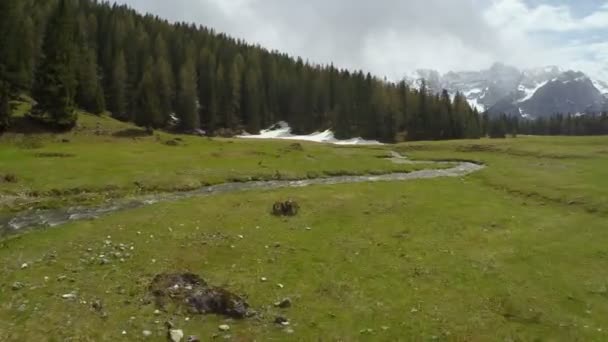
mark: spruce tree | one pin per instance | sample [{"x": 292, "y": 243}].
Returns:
[
  {"x": 148, "y": 113},
  {"x": 118, "y": 88},
  {"x": 89, "y": 93},
  {"x": 252, "y": 102},
  {"x": 187, "y": 102},
  {"x": 5, "y": 109},
  {"x": 55, "y": 87}
]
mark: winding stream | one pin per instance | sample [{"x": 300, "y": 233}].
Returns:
[{"x": 56, "y": 217}]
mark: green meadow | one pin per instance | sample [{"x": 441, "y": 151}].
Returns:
[{"x": 515, "y": 252}]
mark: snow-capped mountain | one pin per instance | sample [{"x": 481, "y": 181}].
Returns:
[{"x": 533, "y": 92}]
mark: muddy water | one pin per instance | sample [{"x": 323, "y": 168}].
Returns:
[{"x": 56, "y": 217}]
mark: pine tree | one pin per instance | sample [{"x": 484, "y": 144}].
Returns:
[
  {"x": 233, "y": 111},
  {"x": 187, "y": 103},
  {"x": 5, "y": 110},
  {"x": 56, "y": 83},
  {"x": 118, "y": 89},
  {"x": 165, "y": 87},
  {"x": 252, "y": 102},
  {"x": 89, "y": 93},
  {"x": 148, "y": 108}
]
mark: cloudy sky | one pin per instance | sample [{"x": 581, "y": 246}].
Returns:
[{"x": 393, "y": 37}]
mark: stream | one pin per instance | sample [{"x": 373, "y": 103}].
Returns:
[{"x": 55, "y": 217}]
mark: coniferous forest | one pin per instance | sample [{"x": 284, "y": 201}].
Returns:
[{"x": 98, "y": 57}]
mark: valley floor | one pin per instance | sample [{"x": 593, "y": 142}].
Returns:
[{"x": 516, "y": 251}]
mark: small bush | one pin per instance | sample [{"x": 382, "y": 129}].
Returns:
[{"x": 287, "y": 208}]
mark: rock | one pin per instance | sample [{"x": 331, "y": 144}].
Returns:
[
  {"x": 280, "y": 286},
  {"x": 157, "y": 312},
  {"x": 24, "y": 266},
  {"x": 281, "y": 320},
  {"x": 197, "y": 296},
  {"x": 17, "y": 286},
  {"x": 176, "y": 335},
  {"x": 193, "y": 339},
  {"x": 70, "y": 296},
  {"x": 287, "y": 208},
  {"x": 263, "y": 279},
  {"x": 146, "y": 333},
  {"x": 283, "y": 304},
  {"x": 97, "y": 305},
  {"x": 224, "y": 327}
]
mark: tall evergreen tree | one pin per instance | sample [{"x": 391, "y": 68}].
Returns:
[
  {"x": 5, "y": 110},
  {"x": 118, "y": 88},
  {"x": 252, "y": 102},
  {"x": 148, "y": 110},
  {"x": 56, "y": 83},
  {"x": 187, "y": 103}
]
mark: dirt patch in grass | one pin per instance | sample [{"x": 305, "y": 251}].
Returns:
[
  {"x": 54, "y": 155},
  {"x": 8, "y": 178},
  {"x": 189, "y": 292}
]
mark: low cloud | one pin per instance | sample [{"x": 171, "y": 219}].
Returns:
[{"x": 392, "y": 37}]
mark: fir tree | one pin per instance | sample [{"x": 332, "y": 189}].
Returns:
[
  {"x": 187, "y": 103},
  {"x": 118, "y": 88},
  {"x": 56, "y": 83},
  {"x": 148, "y": 112}
]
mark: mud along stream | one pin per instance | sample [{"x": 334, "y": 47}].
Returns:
[{"x": 55, "y": 217}]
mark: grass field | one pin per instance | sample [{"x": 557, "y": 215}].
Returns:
[{"x": 515, "y": 252}]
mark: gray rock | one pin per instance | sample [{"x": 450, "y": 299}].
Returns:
[
  {"x": 69, "y": 296},
  {"x": 17, "y": 286},
  {"x": 283, "y": 304},
  {"x": 146, "y": 333},
  {"x": 224, "y": 327},
  {"x": 193, "y": 339},
  {"x": 176, "y": 335}
]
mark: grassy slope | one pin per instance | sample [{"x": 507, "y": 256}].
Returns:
[
  {"x": 95, "y": 167},
  {"x": 515, "y": 252}
]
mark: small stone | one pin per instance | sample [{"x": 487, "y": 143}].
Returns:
[
  {"x": 241, "y": 236},
  {"x": 263, "y": 279},
  {"x": 224, "y": 327},
  {"x": 193, "y": 339},
  {"x": 414, "y": 310},
  {"x": 97, "y": 305},
  {"x": 281, "y": 320},
  {"x": 308, "y": 228},
  {"x": 146, "y": 333},
  {"x": 176, "y": 335},
  {"x": 280, "y": 286},
  {"x": 124, "y": 332},
  {"x": 385, "y": 328},
  {"x": 24, "y": 266},
  {"x": 46, "y": 278},
  {"x": 157, "y": 312},
  {"x": 283, "y": 304},
  {"x": 17, "y": 286},
  {"x": 69, "y": 296}
]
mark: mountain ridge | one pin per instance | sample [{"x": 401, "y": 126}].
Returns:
[{"x": 535, "y": 92}]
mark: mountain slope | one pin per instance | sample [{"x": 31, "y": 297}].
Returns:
[{"x": 536, "y": 92}]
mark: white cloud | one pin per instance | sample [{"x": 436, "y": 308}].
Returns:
[{"x": 392, "y": 37}]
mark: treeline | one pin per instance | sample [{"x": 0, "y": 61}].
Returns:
[
  {"x": 559, "y": 124},
  {"x": 100, "y": 57}
]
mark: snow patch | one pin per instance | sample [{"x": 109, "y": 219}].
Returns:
[
  {"x": 601, "y": 86},
  {"x": 530, "y": 91},
  {"x": 282, "y": 131},
  {"x": 474, "y": 103}
]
